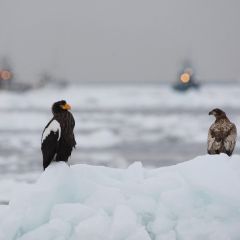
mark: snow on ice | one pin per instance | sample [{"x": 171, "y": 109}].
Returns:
[{"x": 198, "y": 199}]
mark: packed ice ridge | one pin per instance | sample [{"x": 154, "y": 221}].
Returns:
[{"x": 198, "y": 199}]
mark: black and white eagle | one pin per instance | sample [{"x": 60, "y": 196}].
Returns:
[
  {"x": 58, "y": 138},
  {"x": 222, "y": 134}
]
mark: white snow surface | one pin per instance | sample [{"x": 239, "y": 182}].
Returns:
[{"x": 195, "y": 200}]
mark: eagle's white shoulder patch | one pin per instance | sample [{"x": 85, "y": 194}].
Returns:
[{"x": 54, "y": 126}]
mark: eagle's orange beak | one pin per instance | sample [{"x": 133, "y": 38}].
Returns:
[{"x": 66, "y": 107}]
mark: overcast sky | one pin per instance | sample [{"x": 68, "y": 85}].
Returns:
[{"x": 116, "y": 40}]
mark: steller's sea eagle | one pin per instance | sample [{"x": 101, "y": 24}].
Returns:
[
  {"x": 58, "y": 138},
  {"x": 222, "y": 134}
]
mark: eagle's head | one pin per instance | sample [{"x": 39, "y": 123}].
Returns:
[
  {"x": 60, "y": 107},
  {"x": 217, "y": 113}
]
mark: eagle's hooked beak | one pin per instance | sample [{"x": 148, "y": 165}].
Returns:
[
  {"x": 211, "y": 113},
  {"x": 66, "y": 106}
]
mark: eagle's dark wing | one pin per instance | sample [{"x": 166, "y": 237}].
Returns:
[
  {"x": 73, "y": 125},
  {"x": 50, "y": 138},
  {"x": 215, "y": 143},
  {"x": 230, "y": 140},
  {"x": 210, "y": 141}
]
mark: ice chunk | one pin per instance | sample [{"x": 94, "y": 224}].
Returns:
[
  {"x": 196, "y": 200},
  {"x": 139, "y": 234},
  {"x": 55, "y": 229},
  {"x": 94, "y": 228},
  {"x": 124, "y": 223},
  {"x": 134, "y": 173},
  {"x": 171, "y": 235},
  {"x": 212, "y": 173},
  {"x": 106, "y": 197},
  {"x": 71, "y": 212},
  {"x": 162, "y": 224}
]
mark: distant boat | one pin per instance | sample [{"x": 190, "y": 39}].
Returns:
[
  {"x": 6, "y": 77},
  {"x": 186, "y": 81},
  {"x": 6, "y": 73}
]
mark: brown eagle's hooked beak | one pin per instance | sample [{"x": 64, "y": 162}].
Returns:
[
  {"x": 211, "y": 113},
  {"x": 66, "y": 107}
]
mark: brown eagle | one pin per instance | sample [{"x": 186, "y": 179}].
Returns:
[
  {"x": 58, "y": 138},
  {"x": 222, "y": 134}
]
